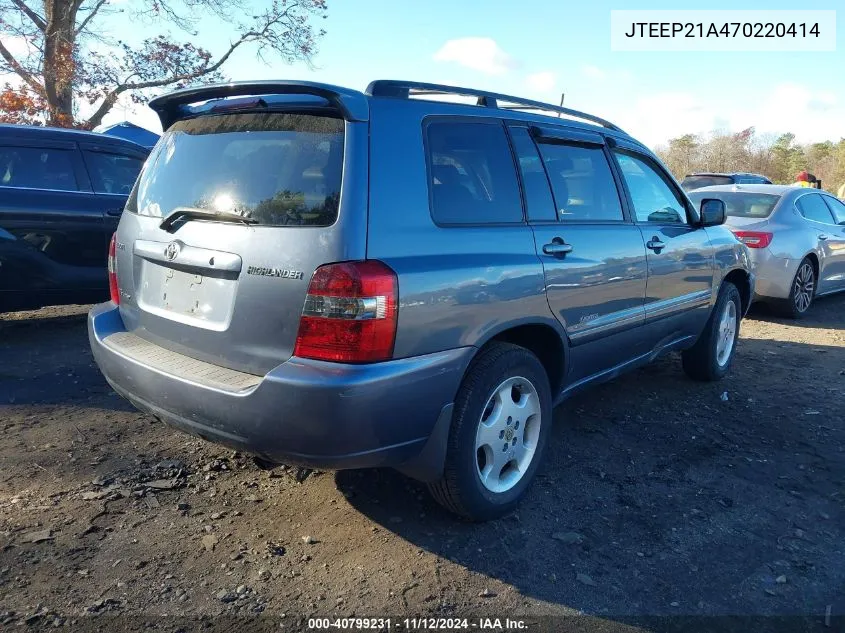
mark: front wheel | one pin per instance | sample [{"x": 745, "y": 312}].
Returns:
[
  {"x": 711, "y": 356},
  {"x": 502, "y": 419}
]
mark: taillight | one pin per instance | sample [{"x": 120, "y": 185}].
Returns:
[
  {"x": 114, "y": 293},
  {"x": 754, "y": 239},
  {"x": 349, "y": 313}
]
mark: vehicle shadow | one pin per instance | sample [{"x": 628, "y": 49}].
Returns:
[
  {"x": 824, "y": 312},
  {"x": 660, "y": 496},
  {"x": 46, "y": 360}
]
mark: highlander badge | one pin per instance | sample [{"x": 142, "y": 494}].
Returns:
[{"x": 274, "y": 272}]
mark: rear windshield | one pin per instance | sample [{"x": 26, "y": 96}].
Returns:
[
  {"x": 741, "y": 205},
  {"x": 697, "y": 182},
  {"x": 278, "y": 169}
]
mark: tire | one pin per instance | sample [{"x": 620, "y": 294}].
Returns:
[
  {"x": 481, "y": 415},
  {"x": 709, "y": 359},
  {"x": 801, "y": 293}
]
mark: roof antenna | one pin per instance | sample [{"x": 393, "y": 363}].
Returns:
[{"x": 562, "y": 95}]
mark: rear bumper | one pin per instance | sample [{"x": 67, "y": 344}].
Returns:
[
  {"x": 774, "y": 275},
  {"x": 303, "y": 412}
]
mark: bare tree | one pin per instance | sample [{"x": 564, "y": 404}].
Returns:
[
  {"x": 681, "y": 155},
  {"x": 780, "y": 158},
  {"x": 57, "y": 68}
]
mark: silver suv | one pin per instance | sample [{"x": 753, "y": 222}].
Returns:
[{"x": 340, "y": 279}]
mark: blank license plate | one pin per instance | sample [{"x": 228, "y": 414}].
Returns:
[{"x": 185, "y": 296}]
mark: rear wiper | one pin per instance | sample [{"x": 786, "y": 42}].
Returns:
[{"x": 185, "y": 213}]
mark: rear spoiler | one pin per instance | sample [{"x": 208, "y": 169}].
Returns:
[{"x": 171, "y": 107}]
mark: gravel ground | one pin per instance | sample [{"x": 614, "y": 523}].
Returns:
[{"x": 659, "y": 497}]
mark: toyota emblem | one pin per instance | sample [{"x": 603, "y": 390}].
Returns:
[{"x": 171, "y": 251}]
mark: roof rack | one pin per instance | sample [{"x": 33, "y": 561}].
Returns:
[{"x": 406, "y": 89}]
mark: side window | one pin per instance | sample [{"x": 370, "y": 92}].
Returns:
[
  {"x": 112, "y": 173},
  {"x": 653, "y": 198},
  {"x": 813, "y": 208},
  {"x": 582, "y": 183},
  {"x": 37, "y": 168},
  {"x": 837, "y": 208},
  {"x": 471, "y": 174},
  {"x": 538, "y": 197}
]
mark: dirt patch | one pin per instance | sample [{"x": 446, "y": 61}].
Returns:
[{"x": 660, "y": 496}]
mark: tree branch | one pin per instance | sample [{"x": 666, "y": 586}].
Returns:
[
  {"x": 24, "y": 31},
  {"x": 161, "y": 62},
  {"x": 32, "y": 15},
  {"x": 111, "y": 98},
  {"x": 20, "y": 70},
  {"x": 108, "y": 103},
  {"x": 207, "y": 70},
  {"x": 90, "y": 16}
]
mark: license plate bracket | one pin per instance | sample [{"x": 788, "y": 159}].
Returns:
[{"x": 181, "y": 292}]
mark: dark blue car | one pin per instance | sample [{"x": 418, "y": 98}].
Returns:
[{"x": 61, "y": 196}]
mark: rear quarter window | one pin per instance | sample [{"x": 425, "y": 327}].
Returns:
[
  {"x": 112, "y": 173},
  {"x": 837, "y": 208},
  {"x": 280, "y": 169},
  {"x": 813, "y": 207},
  {"x": 471, "y": 174}
]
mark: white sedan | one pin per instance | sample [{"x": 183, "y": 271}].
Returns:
[{"x": 796, "y": 237}]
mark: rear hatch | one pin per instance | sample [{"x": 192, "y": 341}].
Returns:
[{"x": 234, "y": 211}]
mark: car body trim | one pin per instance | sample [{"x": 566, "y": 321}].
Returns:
[
  {"x": 613, "y": 372},
  {"x": 168, "y": 362},
  {"x": 177, "y": 252},
  {"x": 608, "y": 324},
  {"x": 675, "y": 305}
]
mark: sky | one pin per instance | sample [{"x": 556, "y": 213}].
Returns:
[{"x": 540, "y": 49}]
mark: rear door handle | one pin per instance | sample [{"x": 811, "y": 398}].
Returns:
[
  {"x": 655, "y": 244},
  {"x": 114, "y": 212},
  {"x": 557, "y": 247}
]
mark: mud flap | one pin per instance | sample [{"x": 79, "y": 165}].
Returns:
[{"x": 427, "y": 466}]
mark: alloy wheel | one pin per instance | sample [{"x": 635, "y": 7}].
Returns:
[
  {"x": 508, "y": 434},
  {"x": 804, "y": 286},
  {"x": 727, "y": 333}
]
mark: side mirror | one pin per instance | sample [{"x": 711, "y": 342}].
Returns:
[{"x": 712, "y": 212}]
